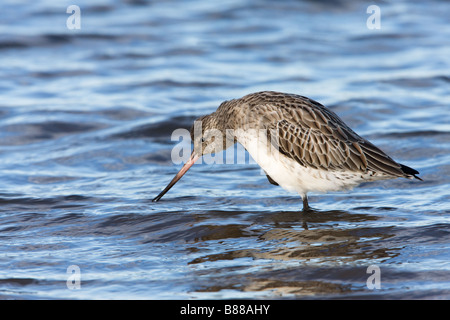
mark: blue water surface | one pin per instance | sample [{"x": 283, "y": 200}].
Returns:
[{"x": 86, "y": 123}]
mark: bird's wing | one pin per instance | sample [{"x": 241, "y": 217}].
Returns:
[{"x": 318, "y": 138}]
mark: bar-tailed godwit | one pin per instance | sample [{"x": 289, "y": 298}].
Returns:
[{"x": 301, "y": 145}]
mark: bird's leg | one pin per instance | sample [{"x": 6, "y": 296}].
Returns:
[{"x": 305, "y": 203}]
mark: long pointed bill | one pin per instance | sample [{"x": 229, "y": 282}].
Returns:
[{"x": 178, "y": 176}]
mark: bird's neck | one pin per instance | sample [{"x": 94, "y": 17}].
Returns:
[{"x": 226, "y": 116}]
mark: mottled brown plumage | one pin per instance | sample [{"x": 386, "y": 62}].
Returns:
[{"x": 309, "y": 133}]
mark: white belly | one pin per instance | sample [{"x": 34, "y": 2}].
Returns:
[{"x": 292, "y": 176}]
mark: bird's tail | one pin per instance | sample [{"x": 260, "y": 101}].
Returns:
[{"x": 409, "y": 172}]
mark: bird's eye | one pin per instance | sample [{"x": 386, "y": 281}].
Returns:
[{"x": 203, "y": 139}]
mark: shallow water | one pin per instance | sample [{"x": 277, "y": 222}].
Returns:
[{"x": 86, "y": 118}]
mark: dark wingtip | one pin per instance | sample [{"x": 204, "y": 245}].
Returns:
[{"x": 410, "y": 171}]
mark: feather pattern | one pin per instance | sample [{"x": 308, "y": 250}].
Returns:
[{"x": 312, "y": 135}]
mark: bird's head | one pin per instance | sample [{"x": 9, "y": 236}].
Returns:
[
  {"x": 206, "y": 136},
  {"x": 207, "y": 139}
]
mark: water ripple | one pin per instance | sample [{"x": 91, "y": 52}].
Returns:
[{"x": 86, "y": 118}]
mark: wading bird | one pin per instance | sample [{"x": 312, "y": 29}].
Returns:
[{"x": 301, "y": 145}]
